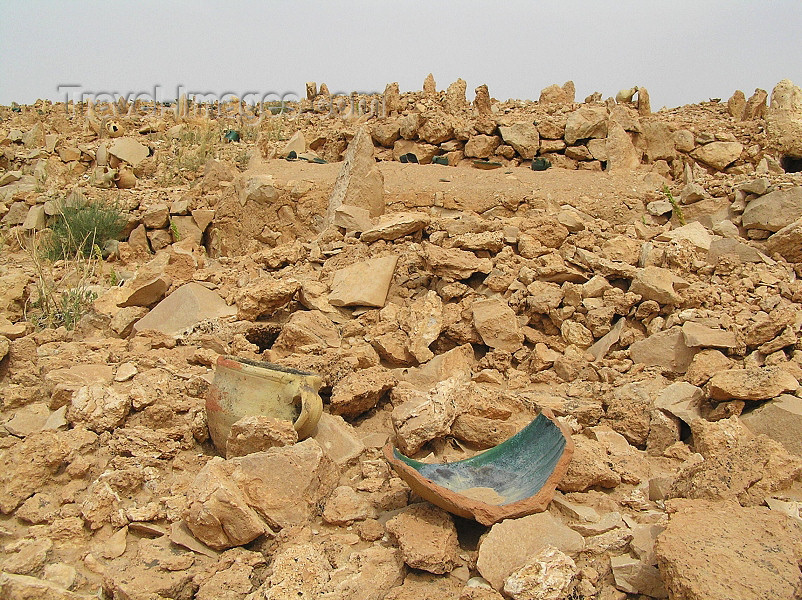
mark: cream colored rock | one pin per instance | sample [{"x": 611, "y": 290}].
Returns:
[
  {"x": 363, "y": 284},
  {"x": 718, "y": 155},
  {"x": 129, "y": 150},
  {"x": 419, "y": 417},
  {"x": 427, "y": 537},
  {"x": 523, "y": 137},
  {"x": 787, "y": 242},
  {"x": 739, "y": 553},
  {"x": 264, "y": 297},
  {"x": 587, "y": 122},
  {"x": 497, "y": 324},
  {"x": 257, "y": 434},
  {"x": 757, "y": 383},
  {"x": 98, "y": 408},
  {"x": 512, "y": 543},
  {"x": 28, "y": 465},
  {"x": 658, "y": 284},
  {"x": 453, "y": 263},
  {"x": 185, "y": 307},
  {"x": 359, "y": 391},
  {"x": 396, "y": 225},
  {"x": 360, "y": 182},
  {"x": 780, "y": 419}
]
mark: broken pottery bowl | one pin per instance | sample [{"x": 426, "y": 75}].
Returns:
[
  {"x": 516, "y": 478},
  {"x": 246, "y": 388}
]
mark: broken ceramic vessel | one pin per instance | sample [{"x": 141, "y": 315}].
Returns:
[
  {"x": 516, "y": 478},
  {"x": 246, "y": 388}
]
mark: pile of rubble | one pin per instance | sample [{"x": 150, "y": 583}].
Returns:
[{"x": 443, "y": 308}]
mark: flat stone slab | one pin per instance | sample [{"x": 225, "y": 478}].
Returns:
[
  {"x": 188, "y": 305},
  {"x": 363, "y": 284}
]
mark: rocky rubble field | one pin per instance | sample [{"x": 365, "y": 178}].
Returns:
[{"x": 644, "y": 288}]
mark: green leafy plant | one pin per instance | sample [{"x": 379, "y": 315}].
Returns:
[
  {"x": 63, "y": 294},
  {"x": 79, "y": 228},
  {"x": 675, "y": 207},
  {"x": 174, "y": 231}
]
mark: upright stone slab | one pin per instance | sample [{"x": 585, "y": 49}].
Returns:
[{"x": 360, "y": 183}]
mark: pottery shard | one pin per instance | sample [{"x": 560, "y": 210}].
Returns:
[
  {"x": 188, "y": 305},
  {"x": 658, "y": 284},
  {"x": 232, "y": 502},
  {"x": 757, "y": 383},
  {"x": 523, "y": 137},
  {"x": 738, "y": 553},
  {"x": 264, "y": 297},
  {"x": 511, "y": 544},
  {"x": 587, "y": 122},
  {"x": 28, "y": 465},
  {"x": 129, "y": 150},
  {"x": 787, "y": 242},
  {"x": 666, "y": 349},
  {"x": 360, "y": 182},
  {"x": 359, "y": 391},
  {"x": 549, "y": 575},
  {"x": 774, "y": 211},
  {"x": 257, "y": 434},
  {"x": 737, "y": 465},
  {"x": 363, "y": 284},
  {"x": 454, "y": 263},
  {"x": 497, "y": 325},
  {"x": 419, "y": 417},
  {"x": 396, "y": 225},
  {"x": 427, "y": 537},
  {"x": 781, "y": 420},
  {"x": 98, "y": 408},
  {"x": 718, "y": 155}
]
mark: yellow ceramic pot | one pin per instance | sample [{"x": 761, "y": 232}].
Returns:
[{"x": 245, "y": 388}]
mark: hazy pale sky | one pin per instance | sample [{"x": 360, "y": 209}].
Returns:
[{"x": 683, "y": 51}]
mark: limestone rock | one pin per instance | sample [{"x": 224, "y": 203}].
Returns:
[
  {"x": 774, "y": 210},
  {"x": 26, "y": 587},
  {"x": 512, "y": 543},
  {"x": 396, "y": 225},
  {"x": 259, "y": 189},
  {"x": 554, "y": 94},
  {"x": 359, "y": 391},
  {"x": 129, "y": 150},
  {"x": 28, "y": 465},
  {"x": 419, "y": 417},
  {"x": 738, "y": 553},
  {"x": 635, "y": 577},
  {"x": 780, "y": 419},
  {"x": 588, "y": 467},
  {"x": 482, "y": 146},
  {"x": 666, "y": 349},
  {"x": 307, "y": 331},
  {"x": 232, "y": 502},
  {"x": 718, "y": 155},
  {"x": 360, "y": 182},
  {"x": 338, "y": 439},
  {"x": 701, "y": 336},
  {"x": 455, "y": 101},
  {"x": 706, "y": 364},
  {"x": 352, "y": 218},
  {"x": 682, "y": 400},
  {"x": 98, "y": 408},
  {"x": 363, "y": 284},
  {"x": 497, "y": 325},
  {"x": 257, "y": 434},
  {"x": 629, "y": 408},
  {"x": 757, "y": 383},
  {"x": 587, "y": 122},
  {"x": 737, "y": 465},
  {"x": 264, "y": 297},
  {"x": 188, "y": 305},
  {"x": 658, "y": 284},
  {"x": 736, "y": 105},
  {"x": 784, "y": 119},
  {"x": 346, "y": 505},
  {"x": 386, "y": 133},
  {"x": 427, "y": 537},
  {"x": 523, "y": 137},
  {"x": 454, "y": 263},
  {"x": 423, "y": 151},
  {"x": 787, "y": 242},
  {"x": 549, "y": 575},
  {"x": 297, "y": 144},
  {"x": 694, "y": 232}
]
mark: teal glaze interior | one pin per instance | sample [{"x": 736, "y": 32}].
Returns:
[{"x": 516, "y": 469}]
